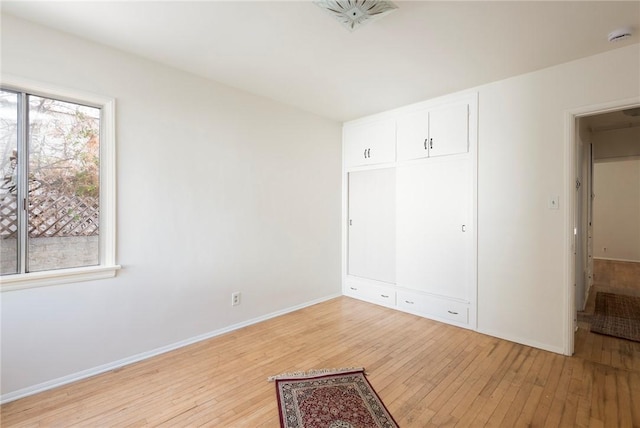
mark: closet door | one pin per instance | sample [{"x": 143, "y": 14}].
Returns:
[
  {"x": 449, "y": 130},
  {"x": 372, "y": 216},
  {"x": 434, "y": 252}
]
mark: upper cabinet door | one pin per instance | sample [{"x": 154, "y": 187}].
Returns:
[
  {"x": 413, "y": 135},
  {"x": 449, "y": 130},
  {"x": 370, "y": 143}
]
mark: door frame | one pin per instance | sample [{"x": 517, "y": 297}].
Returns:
[{"x": 571, "y": 168}]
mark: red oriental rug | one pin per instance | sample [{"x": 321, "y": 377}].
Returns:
[{"x": 341, "y": 398}]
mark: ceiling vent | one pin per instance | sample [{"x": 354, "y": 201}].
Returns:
[{"x": 355, "y": 13}]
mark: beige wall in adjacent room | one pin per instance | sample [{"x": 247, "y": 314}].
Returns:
[{"x": 616, "y": 209}]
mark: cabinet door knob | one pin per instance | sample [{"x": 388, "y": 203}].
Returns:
[
  {"x": 353, "y": 288},
  {"x": 365, "y": 153},
  {"x": 464, "y": 228},
  {"x": 385, "y": 296},
  {"x": 369, "y": 153},
  {"x": 425, "y": 143},
  {"x": 409, "y": 302},
  {"x": 431, "y": 143},
  {"x": 453, "y": 313}
]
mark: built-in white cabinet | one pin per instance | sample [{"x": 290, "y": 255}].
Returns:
[
  {"x": 372, "y": 219},
  {"x": 435, "y": 131},
  {"x": 409, "y": 210},
  {"x": 369, "y": 143}
]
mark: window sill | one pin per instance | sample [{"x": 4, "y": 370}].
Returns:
[{"x": 56, "y": 277}]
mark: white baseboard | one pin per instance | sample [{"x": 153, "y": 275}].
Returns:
[
  {"x": 616, "y": 260},
  {"x": 532, "y": 343},
  {"x": 54, "y": 383}
]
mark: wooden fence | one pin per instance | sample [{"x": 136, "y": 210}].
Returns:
[{"x": 51, "y": 215}]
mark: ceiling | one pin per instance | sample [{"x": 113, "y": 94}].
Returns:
[
  {"x": 627, "y": 118},
  {"x": 296, "y": 53}
]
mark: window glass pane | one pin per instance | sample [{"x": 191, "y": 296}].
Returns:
[
  {"x": 8, "y": 188},
  {"x": 64, "y": 166}
]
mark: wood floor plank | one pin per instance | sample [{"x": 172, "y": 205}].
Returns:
[{"x": 426, "y": 372}]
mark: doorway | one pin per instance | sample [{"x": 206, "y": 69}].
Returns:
[{"x": 606, "y": 208}]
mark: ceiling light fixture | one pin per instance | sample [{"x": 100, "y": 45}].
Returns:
[
  {"x": 354, "y": 13},
  {"x": 619, "y": 34}
]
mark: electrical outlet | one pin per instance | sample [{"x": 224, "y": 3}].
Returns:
[{"x": 235, "y": 298}]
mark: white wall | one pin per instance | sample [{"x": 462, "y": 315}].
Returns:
[
  {"x": 616, "y": 143},
  {"x": 218, "y": 191},
  {"x": 616, "y": 209},
  {"x": 270, "y": 181},
  {"x": 522, "y": 245}
]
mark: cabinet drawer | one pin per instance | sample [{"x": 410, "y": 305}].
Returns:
[
  {"x": 371, "y": 293},
  {"x": 433, "y": 307},
  {"x": 453, "y": 311}
]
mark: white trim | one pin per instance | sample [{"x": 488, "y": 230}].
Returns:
[
  {"x": 44, "y": 386},
  {"x": 107, "y": 238},
  {"x": 521, "y": 341},
  {"x": 11, "y": 81},
  {"x": 569, "y": 180},
  {"x": 569, "y": 242},
  {"x": 56, "y": 277},
  {"x": 617, "y": 260}
]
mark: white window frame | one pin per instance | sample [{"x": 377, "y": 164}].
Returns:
[{"x": 107, "y": 267}]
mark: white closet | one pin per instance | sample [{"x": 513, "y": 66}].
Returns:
[{"x": 410, "y": 219}]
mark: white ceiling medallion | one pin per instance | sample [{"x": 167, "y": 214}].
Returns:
[{"x": 355, "y": 13}]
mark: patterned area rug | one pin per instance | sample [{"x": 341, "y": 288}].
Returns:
[
  {"x": 341, "y": 398},
  {"x": 617, "y": 315}
]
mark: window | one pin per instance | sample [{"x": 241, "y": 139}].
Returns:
[{"x": 57, "y": 186}]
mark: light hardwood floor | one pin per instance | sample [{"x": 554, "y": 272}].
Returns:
[{"x": 427, "y": 373}]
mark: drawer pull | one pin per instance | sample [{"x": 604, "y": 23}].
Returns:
[
  {"x": 409, "y": 302},
  {"x": 386, "y": 296},
  {"x": 453, "y": 313},
  {"x": 353, "y": 288}
]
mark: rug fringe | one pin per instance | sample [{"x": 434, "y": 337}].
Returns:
[{"x": 314, "y": 373}]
